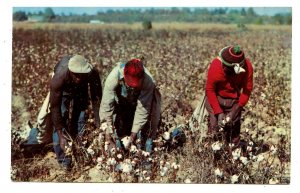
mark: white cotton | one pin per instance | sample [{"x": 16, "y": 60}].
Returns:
[
  {"x": 146, "y": 154},
  {"x": 119, "y": 156},
  {"x": 273, "y": 149},
  {"x": 111, "y": 161},
  {"x": 166, "y": 135},
  {"x": 104, "y": 126},
  {"x": 216, "y": 146},
  {"x": 236, "y": 153},
  {"x": 133, "y": 149},
  {"x": 100, "y": 159},
  {"x": 273, "y": 181},
  {"x": 244, "y": 160},
  {"x": 234, "y": 179},
  {"x": 126, "y": 142},
  {"x": 218, "y": 172},
  {"x": 175, "y": 166},
  {"x": 260, "y": 158},
  {"x": 126, "y": 167},
  {"x": 187, "y": 181},
  {"x": 90, "y": 151}
]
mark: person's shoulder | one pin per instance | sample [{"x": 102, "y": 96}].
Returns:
[
  {"x": 249, "y": 63},
  {"x": 216, "y": 63}
]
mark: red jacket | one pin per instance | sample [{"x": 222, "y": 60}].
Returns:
[{"x": 236, "y": 86}]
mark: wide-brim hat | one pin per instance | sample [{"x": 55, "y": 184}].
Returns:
[
  {"x": 78, "y": 64},
  {"x": 134, "y": 73},
  {"x": 232, "y": 55}
]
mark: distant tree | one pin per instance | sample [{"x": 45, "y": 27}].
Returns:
[
  {"x": 147, "y": 25},
  {"x": 259, "y": 21},
  {"x": 243, "y": 12},
  {"x": 20, "y": 16},
  {"x": 289, "y": 20},
  {"x": 49, "y": 14},
  {"x": 279, "y": 19},
  {"x": 251, "y": 12}
]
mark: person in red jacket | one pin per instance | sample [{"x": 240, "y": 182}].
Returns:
[{"x": 228, "y": 88}]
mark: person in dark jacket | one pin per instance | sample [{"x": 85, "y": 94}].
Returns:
[
  {"x": 228, "y": 88},
  {"x": 74, "y": 78}
]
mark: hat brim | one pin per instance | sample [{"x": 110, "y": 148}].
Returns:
[{"x": 132, "y": 81}]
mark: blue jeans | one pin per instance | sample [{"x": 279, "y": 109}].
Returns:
[{"x": 77, "y": 124}]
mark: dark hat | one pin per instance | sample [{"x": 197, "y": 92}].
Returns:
[
  {"x": 231, "y": 55},
  {"x": 134, "y": 72}
]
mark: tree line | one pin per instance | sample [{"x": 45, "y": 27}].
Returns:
[{"x": 197, "y": 15}]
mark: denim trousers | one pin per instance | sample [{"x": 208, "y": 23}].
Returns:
[{"x": 74, "y": 127}]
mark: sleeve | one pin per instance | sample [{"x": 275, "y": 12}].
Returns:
[
  {"x": 55, "y": 101},
  {"x": 247, "y": 85},
  {"x": 108, "y": 98},
  {"x": 213, "y": 76},
  {"x": 143, "y": 105},
  {"x": 96, "y": 94}
]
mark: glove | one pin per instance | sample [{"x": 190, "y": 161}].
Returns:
[
  {"x": 62, "y": 140},
  {"x": 221, "y": 120},
  {"x": 149, "y": 145},
  {"x": 232, "y": 115}
]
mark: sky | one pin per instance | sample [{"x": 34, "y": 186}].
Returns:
[{"x": 93, "y": 10}]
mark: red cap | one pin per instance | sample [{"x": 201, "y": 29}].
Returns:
[{"x": 134, "y": 73}]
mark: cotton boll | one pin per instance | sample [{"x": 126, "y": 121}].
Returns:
[
  {"x": 133, "y": 149},
  {"x": 90, "y": 151},
  {"x": 104, "y": 126},
  {"x": 273, "y": 181},
  {"x": 119, "y": 156},
  {"x": 187, "y": 181},
  {"x": 216, "y": 146},
  {"x": 166, "y": 136},
  {"x": 126, "y": 142},
  {"x": 234, "y": 179},
  {"x": 273, "y": 149},
  {"x": 111, "y": 161},
  {"x": 146, "y": 154},
  {"x": 236, "y": 153},
  {"x": 244, "y": 160},
  {"x": 218, "y": 172},
  {"x": 260, "y": 158}
]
